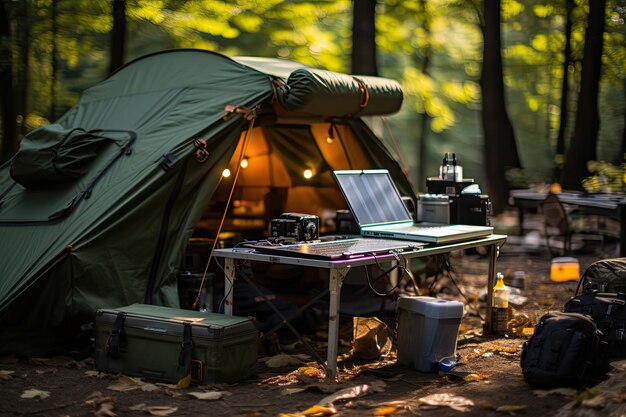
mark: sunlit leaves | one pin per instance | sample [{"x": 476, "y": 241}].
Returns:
[
  {"x": 461, "y": 92},
  {"x": 543, "y": 10},
  {"x": 511, "y": 8}
]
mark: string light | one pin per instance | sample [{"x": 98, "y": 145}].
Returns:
[
  {"x": 244, "y": 163},
  {"x": 226, "y": 173},
  {"x": 331, "y": 136},
  {"x": 308, "y": 174}
]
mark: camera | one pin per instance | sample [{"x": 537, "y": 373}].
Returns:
[{"x": 296, "y": 226}]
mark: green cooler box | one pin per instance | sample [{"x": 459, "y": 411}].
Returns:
[{"x": 161, "y": 343}]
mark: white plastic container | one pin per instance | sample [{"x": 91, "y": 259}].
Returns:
[{"x": 427, "y": 331}]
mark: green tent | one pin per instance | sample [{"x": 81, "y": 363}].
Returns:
[{"x": 96, "y": 210}]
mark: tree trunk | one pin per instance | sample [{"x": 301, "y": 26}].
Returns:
[
  {"x": 500, "y": 148},
  {"x": 20, "y": 80},
  {"x": 567, "y": 61},
  {"x": 364, "y": 37},
  {"x": 118, "y": 35},
  {"x": 53, "y": 79},
  {"x": 424, "y": 117},
  {"x": 583, "y": 144},
  {"x": 6, "y": 86}
]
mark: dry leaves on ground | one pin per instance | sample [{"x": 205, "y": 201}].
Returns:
[
  {"x": 455, "y": 402},
  {"x": 155, "y": 410},
  {"x": 35, "y": 393}
]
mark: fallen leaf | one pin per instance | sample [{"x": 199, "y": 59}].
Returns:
[
  {"x": 282, "y": 359},
  {"x": 46, "y": 371},
  {"x": 105, "y": 410},
  {"x": 312, "y": 372},
  {"x": 184, "y": 382},
  {"x": 126, "y": 383},
  {"x": 385, "y": 411},
  {"x": 567, "y": 392},
  {"x": 35, "y": 393},
  {"x": 147, "y": 387},
  {"x": 290, "y": 391},
  {"x": 597, "y": 402},
  {"x": 475, "y": 377},
  {"x": 6, "y": 375},
  {"x": 510, "y": 408},
  {"x": 159, "y": 410},
  {"x": 447, "y": 400},
  {"x": 96, "y": 374},
  {"x": 353, "y": 392},
  {"x": 318, "y": 410},
  {"x": 96, "y": 398},
  {"x": 208, "y": 395}
]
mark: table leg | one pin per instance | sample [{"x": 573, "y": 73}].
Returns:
[
  {"x": 334, "y": 286},
  {"x": 491, "y": 281},
  {"x": 229, "y": 283}
]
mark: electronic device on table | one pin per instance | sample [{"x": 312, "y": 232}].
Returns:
[
  {"x": 297, "y": 227},
  {"x": 380, "y": 212},
  {"x": 467, "y": 204}
]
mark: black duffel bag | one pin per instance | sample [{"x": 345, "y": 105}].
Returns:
[{"x": 608, "y": 310}]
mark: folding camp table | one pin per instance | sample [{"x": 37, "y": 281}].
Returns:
[{"x": 339, "y": 269}]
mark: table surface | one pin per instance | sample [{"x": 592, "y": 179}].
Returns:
[
  {"x": 608, "y": 201},
  {"x": 251, "y": 254}
]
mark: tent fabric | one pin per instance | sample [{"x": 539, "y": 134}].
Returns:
[
  {"x": 52, "y": 154},
  {"x": 115, "y": 233},
  {"x": 326, "y": 93}
]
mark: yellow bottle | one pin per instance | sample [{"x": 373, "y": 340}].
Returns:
[{"x": 500, "y": 293}]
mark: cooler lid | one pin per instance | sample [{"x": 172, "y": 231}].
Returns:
[
  {"x": 171, "y": 320},
  {"x": 432, "y": 307}
]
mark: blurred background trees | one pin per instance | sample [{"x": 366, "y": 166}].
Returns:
[{"x": 522, "y": 91}]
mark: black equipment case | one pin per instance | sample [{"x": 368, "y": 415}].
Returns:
[{"x": 166, "y": 344}]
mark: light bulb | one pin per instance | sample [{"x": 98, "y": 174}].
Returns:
[
  {"x": 244, "y": 163},
  {"x": 331, "y": 137},
  {"x": 226, "y": 173},
  {"x": 307, "y": 174}
]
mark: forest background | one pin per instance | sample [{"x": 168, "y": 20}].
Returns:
[{"x": 524, "y": 92}]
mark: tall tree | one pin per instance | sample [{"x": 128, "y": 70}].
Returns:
[
  {"x": 567, "y": 62},
  {"x": 22, "y": 45},
  {"x": 54, "y": 77},
  {"x": 425, "y": 118},
  {"x": 6, "y": 85},
  {"x": 118, "y": 35},
  {"x": 364, "y": 37},
  {"x": 499, "y": 147},
  {"x": 583, "y": 144}
]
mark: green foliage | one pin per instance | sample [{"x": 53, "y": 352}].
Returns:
[
  {"x": 605, "y": 177},
  {"x": 434, "y": 47}
]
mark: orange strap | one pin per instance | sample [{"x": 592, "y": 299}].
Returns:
[{"x": 232, "y": 190}]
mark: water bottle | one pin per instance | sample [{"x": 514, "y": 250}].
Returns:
[{"x": 499, "y": 306}]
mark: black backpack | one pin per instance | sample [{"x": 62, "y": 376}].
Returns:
[
  {"x": 607, "y": 275},
  {"x": 566, "y": 349}
]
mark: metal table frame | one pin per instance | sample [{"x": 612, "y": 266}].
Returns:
[{"x": 339, "y": 269}]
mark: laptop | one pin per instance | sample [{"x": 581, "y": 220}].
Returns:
[
  {"x": 333, "y": 250},
  {"x": 380, "y": 212}
]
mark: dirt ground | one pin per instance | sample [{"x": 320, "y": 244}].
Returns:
[{"x": 64, "y": 386}]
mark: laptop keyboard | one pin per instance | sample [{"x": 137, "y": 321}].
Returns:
[{"x": 341, "y": 249}]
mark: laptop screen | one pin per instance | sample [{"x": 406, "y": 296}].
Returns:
[{"x": 372, "y": 196}]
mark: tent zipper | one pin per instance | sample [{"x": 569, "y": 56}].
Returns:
[{"x": 163, "y": 232}]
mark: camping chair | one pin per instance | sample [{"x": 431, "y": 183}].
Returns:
[{"x": 558, "y": 224}]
